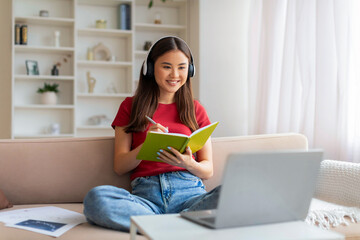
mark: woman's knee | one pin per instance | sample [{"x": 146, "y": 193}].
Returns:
[
  {"x": 98, "y": 198},
  {"x": 100, "y": 193},
  {"x": 105, "y": 206},
  {"x": 94, "y": 195}
]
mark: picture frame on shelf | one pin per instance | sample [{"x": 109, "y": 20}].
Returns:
[{"x": 32, "y": 67}]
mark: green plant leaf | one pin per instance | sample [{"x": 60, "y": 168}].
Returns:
[{"x": 49, "y": 88}]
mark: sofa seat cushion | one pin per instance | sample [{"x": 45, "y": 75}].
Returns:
[
  {"x": 82, "y": 231},
  {"x": 92, "y": 232}
]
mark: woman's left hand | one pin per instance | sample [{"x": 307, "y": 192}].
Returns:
[{"x": 184, "y": 160}]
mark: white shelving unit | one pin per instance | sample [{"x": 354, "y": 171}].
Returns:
[
  {"x": 40, "y": 77},
  {"x": 46, "y": 21},
  {"x": 115, "y": 80}
]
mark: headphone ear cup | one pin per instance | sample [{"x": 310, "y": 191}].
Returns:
[
  {"x": 191, "y": 70},
  {"x": 144, "y": 68},
  {"x": 150, "y": 69}
]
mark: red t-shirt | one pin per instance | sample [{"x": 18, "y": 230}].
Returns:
[{"x": 167, "y": 115}]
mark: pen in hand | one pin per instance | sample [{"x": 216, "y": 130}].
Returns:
[{"x": 153, "y": 122}]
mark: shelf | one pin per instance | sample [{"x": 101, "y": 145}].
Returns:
[
  {"x": 42, "y": 49},
  {"x": 104, "y": 3},
  {"x": 104, "y": 32},
  {"x": 43, "y": 106},
  {"x": 141, "y": 53},
  {"x": 44, "y": 77},
  {"x": 158, "y": 3},
  {"x": 48, "y": 21},
  {"x": 104, "y": 95},
  {"x": 158, "y": 27},
  {"x": 94, "y": 127},
  {"x": 85, "y": 63},
  {"x": 62, "y": 135}
]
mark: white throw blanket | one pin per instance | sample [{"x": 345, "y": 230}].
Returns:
[
  {"x": 338, "y": 188},
  {"x": 326, "y": 215}
]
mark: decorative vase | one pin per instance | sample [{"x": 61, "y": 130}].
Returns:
[
  {"x": 48, "y": 98},
  {"x": 157, "y": 18},
  {"x": 55, "y": 71},
  {"x": 147, "y": 45},
  {"x": 90, "y": 54},
  {"x": 101, "y": 23},
  {"x": 91, "y": 82},
  {"x": 44, "y": 13},
  {"x": 57, "y": 38},
  {"x": 54, "y": 129}
]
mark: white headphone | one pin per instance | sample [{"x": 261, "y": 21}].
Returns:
[{"x": 148, "y": 67}]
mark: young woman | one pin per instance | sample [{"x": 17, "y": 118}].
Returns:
[{"x": 164, "y": 93}]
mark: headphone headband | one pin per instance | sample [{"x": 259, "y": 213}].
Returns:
[{"x": 147, "y": 72}]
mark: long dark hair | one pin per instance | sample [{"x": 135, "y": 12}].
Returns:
[{"x": 145, "y": 101}]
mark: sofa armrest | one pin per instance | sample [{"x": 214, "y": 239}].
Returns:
[{"x": 339, "y": 183}]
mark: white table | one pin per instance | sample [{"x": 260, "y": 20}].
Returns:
[{"x": 174, "y": 227}]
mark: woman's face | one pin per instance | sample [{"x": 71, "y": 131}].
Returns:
[{"x": 171, "y": 71}]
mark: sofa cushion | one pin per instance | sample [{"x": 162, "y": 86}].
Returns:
[
  {"x": 4, "y": 203},
  {"x": 37, "y": 171},
  {"x": 82, "y": 231},
  {"x": 91, "y": 232}
]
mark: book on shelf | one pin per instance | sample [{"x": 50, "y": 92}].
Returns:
[{"x": 158, "y": 140}]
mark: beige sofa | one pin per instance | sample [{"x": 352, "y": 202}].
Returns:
[{"x": 59, "y": 172}]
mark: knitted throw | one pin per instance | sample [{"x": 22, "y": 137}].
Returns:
[
  {"x": 337, "y": 193},
  {"x": 326, "y": 215}
]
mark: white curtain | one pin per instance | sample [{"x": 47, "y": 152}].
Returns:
[{"x": 304, "y": 57}]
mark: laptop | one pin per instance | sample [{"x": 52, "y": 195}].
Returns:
[{"x": 262, "y": 188}]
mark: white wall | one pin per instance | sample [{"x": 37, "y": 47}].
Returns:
[
  {"x": 193, "y": 41},
  {"x": 223, "y": 63}
]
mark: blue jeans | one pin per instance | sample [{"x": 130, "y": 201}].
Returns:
[{"x": 171, "y": 192}]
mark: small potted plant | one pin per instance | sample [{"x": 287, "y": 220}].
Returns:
[{"x": 48, "y": 93}]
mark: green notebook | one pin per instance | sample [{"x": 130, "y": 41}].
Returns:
[{"x": 157, "y": 140}]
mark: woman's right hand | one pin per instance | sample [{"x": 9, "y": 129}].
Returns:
[{"x": 157, "y": 128}]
